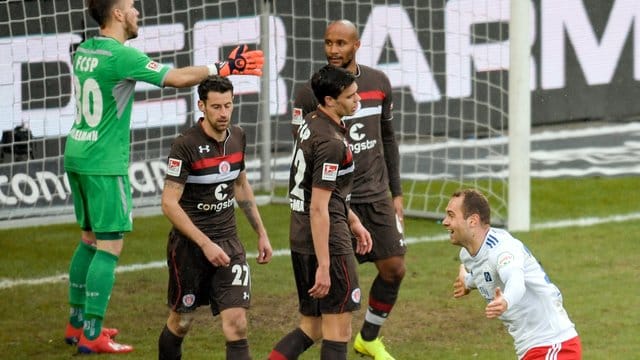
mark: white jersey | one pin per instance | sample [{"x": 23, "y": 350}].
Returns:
[{"x": 535, "y": 315}]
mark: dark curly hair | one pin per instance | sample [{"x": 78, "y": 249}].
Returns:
[
  {"x": 215, "y": 83},
  {"x": 330, "y": 81}
]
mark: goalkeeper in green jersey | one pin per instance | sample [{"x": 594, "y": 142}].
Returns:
[{"x": 96, "y": 157}]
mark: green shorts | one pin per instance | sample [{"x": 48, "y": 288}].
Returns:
[{"x": 102, "y": 204}]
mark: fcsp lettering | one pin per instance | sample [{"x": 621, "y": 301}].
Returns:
[{"x": 86, "y": 63}]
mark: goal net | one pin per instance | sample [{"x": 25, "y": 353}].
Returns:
[{"x": 447, "y": 62}]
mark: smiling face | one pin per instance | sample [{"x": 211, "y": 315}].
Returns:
[
  {"x": 468, "y": 219},
  {"x": 460, "y": 230}
]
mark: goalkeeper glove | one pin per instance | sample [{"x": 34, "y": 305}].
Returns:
[{"x": 241, "y": 61}]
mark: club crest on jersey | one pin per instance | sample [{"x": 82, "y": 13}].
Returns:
[
  {"x": 329, "y": 171},
  {"x": 356, "y": 295},
  {"x": 505, "y": 259},
  {"x": 188, "y": 300},
  {"x": 174, "y": 167},
  {"x": 297, "y": 116},
  {"x": 154, "y": 66},
  {"x": 224, "y": 167},
  {"x": 203, "y": 149}
]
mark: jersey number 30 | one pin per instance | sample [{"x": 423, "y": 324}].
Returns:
[{"x": 88, "y": 101}]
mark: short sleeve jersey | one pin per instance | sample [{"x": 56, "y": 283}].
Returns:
[
  {"x": 208, "y": 169},
  {"x": 538, "y": 318},
  {"x": 104, "y": 75},
  {"x": 322, "y": 158},
  {"x": 371, "y": 181}
]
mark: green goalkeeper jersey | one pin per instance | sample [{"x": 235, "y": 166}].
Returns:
[{"x": 105, "y": 74}]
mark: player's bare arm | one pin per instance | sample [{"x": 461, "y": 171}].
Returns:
[
  {"x": 186, "y": 76},
  {"x": 246, "y": 201},
  {"x": 171, "y": 208},
  {"x": 319, "y": 218},
  {"x": 459, "y": 287},
  {"x": 398, "y": 204},
  {"x": 392, "y": 162},
  {"x": 365, "y": 242}
]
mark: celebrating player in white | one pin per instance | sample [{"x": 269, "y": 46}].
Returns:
[{"x": 509, "y": 277}]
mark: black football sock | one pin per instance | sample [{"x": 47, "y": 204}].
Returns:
[
  {"x": 238, "y": 350},
  {"x": 382, "y": 297},
  {"x": 333, "y": 350},
  {"x": 291, "y": 346},
  {"x": 169, "y": 345}
]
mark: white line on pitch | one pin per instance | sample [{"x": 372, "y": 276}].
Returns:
[{"x": 590, "y": 221}]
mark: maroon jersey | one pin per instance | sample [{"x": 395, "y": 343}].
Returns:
[
  {"x": 208, "y": 169},
  {"x": 321, "y": 158},
  {"x": 371, "y": 180}
]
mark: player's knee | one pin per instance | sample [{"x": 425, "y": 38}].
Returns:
[
  {"x": 398, "y": 273},
  {"x": 180, "y": 323},
  {"x": 393, "y": 270},
  {"x": 345, "y": 333},
  {"x": 235, "y": 326},
  {"x": 337, "y": 331},
  {"x": 312, "y": 327}
]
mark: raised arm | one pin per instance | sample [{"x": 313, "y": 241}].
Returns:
[{"x": 241, "y": 61}]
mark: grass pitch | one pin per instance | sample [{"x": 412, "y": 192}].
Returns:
[{"x": 596, "y": 267}]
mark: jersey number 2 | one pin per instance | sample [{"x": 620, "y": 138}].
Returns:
[{"x": 301, "y": 167}]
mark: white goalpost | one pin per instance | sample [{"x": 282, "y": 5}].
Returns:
[
  {"x": 448, "y": 62},
  {"x": 519, "y": 208}
]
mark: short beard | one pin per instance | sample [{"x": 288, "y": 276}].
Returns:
[
  {"x": 130, "y": 33},
  {"x": 346, "y": 65}
]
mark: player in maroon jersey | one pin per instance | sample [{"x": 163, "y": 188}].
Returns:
[
  {"x": 375, "y": 150},
  {"x": 206, "y": 260},
  {"x": 322, "y": 223}
]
